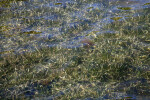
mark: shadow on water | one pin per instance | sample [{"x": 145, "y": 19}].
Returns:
[{"x": 74, "y": 49}]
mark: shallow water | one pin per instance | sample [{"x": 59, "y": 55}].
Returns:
[{"x": 29, "y": 25}]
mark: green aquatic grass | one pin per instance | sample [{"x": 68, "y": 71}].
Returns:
[
  {"x": 116, "y": 18},
  {"x": 125, "y": 8},
  {"x": 80, "y": 73},
  {"x": 115, "y": 58},
  {"x": 58, "y": 3},
  {"x": 6, "y": 3},
  {"x": 147, "y": 4},
  {"x": 32, "y": 32}
]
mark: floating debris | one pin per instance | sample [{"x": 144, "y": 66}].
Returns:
[
  {"x": 87, "y": 42},
  {"x": 58, "y": 3},
  {"x": 125, "y": 8},
  {"x": 90, "y": 7},
  {"x": 32, "y": 32},
  {"x": 116, "y": 18}
]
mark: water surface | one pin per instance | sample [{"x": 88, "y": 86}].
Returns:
[
  {"x": 43, "y": 55},
  {"x": 30, "y": 24}
]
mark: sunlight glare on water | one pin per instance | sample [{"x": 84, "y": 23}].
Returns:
[
  {"x": 75, "y": 49},
  {"x": 45, "y": 23}
]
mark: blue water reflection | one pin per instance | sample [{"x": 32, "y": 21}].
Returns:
[
  {"x": 28, "y": 25},
  {"x": 62, "y": 20}
]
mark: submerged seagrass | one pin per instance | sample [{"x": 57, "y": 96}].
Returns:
[{"x": 117, "y": 67}]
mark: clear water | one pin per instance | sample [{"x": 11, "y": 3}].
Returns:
[{"x": 30, "y": 24}]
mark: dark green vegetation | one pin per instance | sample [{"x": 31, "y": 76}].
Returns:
[
  {"x": 118, "y": 63},
  {"x": 125, "y": 8},
  {"x": 6, "y": 3},
  {"x": 117, "y": 66}
]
